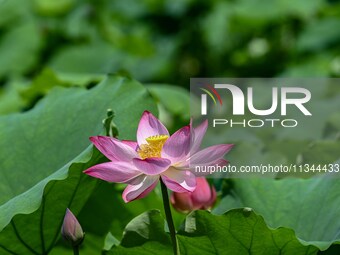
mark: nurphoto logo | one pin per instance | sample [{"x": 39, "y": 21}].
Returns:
[{"x": 280, "y": 99}]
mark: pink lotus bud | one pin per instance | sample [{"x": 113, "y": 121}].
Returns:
[
  {"x": 203, "y": 197},
  {"x": 71, "y": 229}
]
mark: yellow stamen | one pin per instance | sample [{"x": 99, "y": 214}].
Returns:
[{"x": 154, "y": 146}]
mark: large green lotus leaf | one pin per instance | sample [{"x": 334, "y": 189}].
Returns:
[
  {"x": 19, "y": 94},
  {"x": 239, "y": 231},
  {"x": 40, "y": 175},
  {"x": 115, "y": 213},
  {"x": 48, "y": 79},
  {"x": 311, "y": 207},
  {"x": 92, "y": 245},
  {"x": 37, "y": 232},
  {"x": 111, "y": 215}
]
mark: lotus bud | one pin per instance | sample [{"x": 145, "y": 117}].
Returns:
[
  {"x": 71, "y": 229},
  {"x": 203, "y": 197}
]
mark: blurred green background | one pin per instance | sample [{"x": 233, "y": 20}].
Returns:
[{"x": 44, "y": 43}]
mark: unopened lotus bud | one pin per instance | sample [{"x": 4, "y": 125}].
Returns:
[
  {"x": 71, "y": 229},
  {"x": 203, "y": 197}
]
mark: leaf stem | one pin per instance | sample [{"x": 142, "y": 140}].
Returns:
[
  {"x": 169, "y": 219},
  {"x": 76, "y": 250}
]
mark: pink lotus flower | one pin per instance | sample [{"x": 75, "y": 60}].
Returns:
[
  {"x": 156, "y": 155},
  {"x": 203, "y": 197}
]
